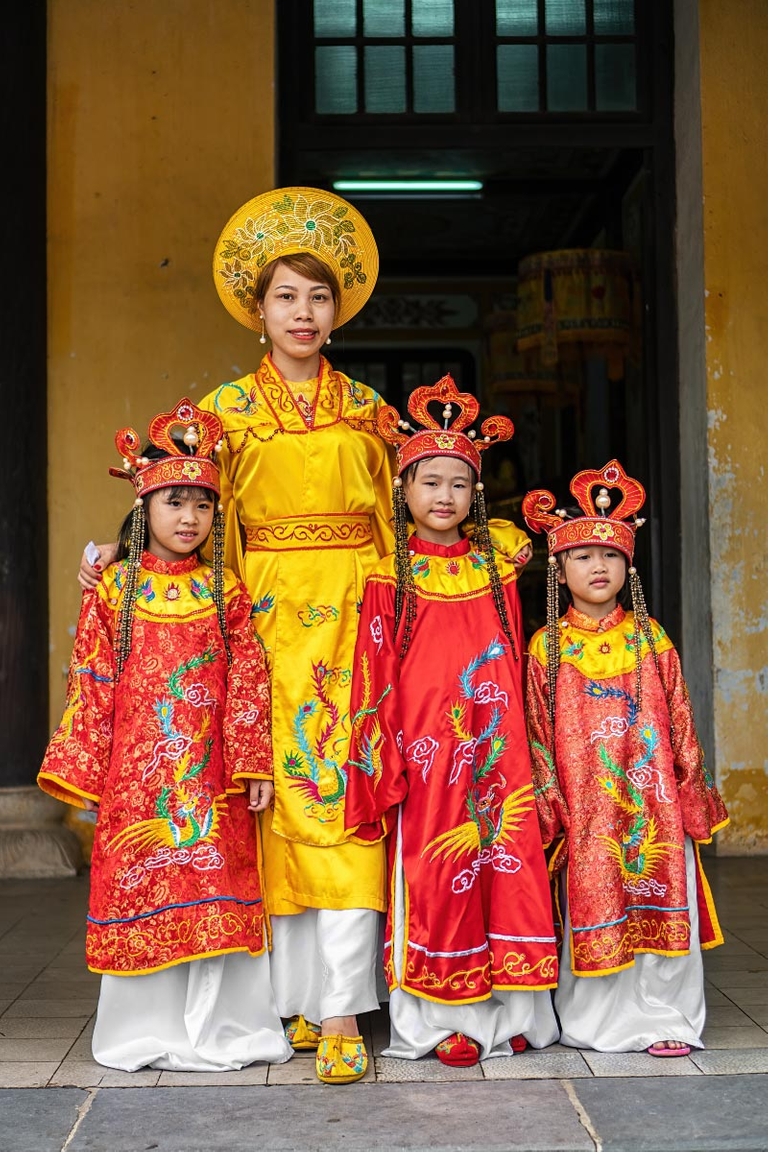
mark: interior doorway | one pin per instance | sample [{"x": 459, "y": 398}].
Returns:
[{"x": 561, "y": 112}]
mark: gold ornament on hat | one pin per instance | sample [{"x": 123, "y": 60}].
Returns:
[{"x": 283, "y": 222}]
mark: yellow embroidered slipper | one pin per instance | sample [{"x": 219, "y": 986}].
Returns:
[
  {"x": 341, "y": 1059},
  {"x": 301, "y": 1034},
  {"x": 458, "y": 1051}
]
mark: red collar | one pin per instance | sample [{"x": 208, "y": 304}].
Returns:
[
  {"x": 175, "y": 568},
  {"x": 426, "y": 548}
]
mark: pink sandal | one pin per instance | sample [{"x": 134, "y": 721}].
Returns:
[{"x": 684, "y": 1051}]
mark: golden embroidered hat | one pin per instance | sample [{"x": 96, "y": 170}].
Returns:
[
  {"x": 201, "y": 433},
  {"x": 596, "y": 526},
  {"x": 281, "y": 223},
  {"x": 448, "y": 439}
]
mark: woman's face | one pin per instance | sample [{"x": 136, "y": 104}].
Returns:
[{"x": 298, "y": 315}]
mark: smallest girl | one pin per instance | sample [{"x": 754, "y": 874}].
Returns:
[
  {"x": 621, "y": 783},
  {"x": 166, "y": 732},
  {"x": 439, "y": 755}
]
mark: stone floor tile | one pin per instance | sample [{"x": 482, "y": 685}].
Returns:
[
  {"x": 684, "y": 1115},
  {"x": 757, "y": 1013},
  {"x": 11, "y": 989},
  {"x": 361, "y": 1118},
  {"x": 89, "y": 1074},
  {"x": 390, "y": 1070},
  {"x": 750, "y": 1036},
  {"x": 548, "y": 1065},
  {"x": 253, "y": 1075},
  {"x": 82, "y": 1048},
  {"x": 42, "y": 1028},
  {"x": 728, "y": 979},
  {"x": 38, "y": 1050},
  {"x": 30, "y": 1074},
  {"x": 744, "y": 997},
  {"x": 728, "y": 1016},
  {"x": 729, "y": 1061},
  {"x": 739, "y": 962},
  {"x": 638, "y": 1064},
  {"x": 58, "y": 990},
  {"x": 293, "y": 1072},
  {"x": 50, "y": 1008}
]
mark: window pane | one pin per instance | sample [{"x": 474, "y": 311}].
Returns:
[
  {"x": 614, "y": 17},
  {"x": 565, "y": 18},
  {"x": 433, "y": 78},
  {"x": 566, "y": 78},
  {"x": 432, "y": 17},
  {"x": 517, "y": 69},
  {"x": 384, "y": 17},
  {"x": 385, "y": 79},
  {"x": 335, "y": 18},
  {"x": 335, "y": 79},
  {"x": 615, "y": 87},
  {"x": 516, "y": 17}
]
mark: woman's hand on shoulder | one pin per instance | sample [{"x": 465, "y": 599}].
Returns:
[
  {"x": 90, "y": 573},
  {"x": 522, "y": 557}
]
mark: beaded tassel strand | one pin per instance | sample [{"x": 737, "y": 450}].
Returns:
[
  {"x": 482, "y": 542},
  {"x": 640, "y": 612},
  {"x": 218, "y": 578},
  {"x": 128, "y": 603},
  {"x": 553, "y": 639},
  {"x": 405, "y": 591}
]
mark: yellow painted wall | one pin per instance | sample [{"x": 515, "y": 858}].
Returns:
[
  {"x": 734, "y": 86},
  {"x": 161, "y": 116}
]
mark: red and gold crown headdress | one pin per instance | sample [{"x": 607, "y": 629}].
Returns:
[
  {"x": 201, "y": 432},
  {"x": 450, "y": 439},
  {"x": 596, "y": 526}
]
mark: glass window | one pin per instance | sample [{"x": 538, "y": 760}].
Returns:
[
  {"x": 385, "y": 79},
  {"x": 615, "y": 86},
  {"x": 517, "y": 18},
  {"x": 335, "y": 18},
  {"x": 384, "y": 17},
  {"x": 336, "y": 80},
  {"x": 433, "y": 78},
  {"x": 614, "y": 17},
  {"x": 517, "y": 71},
  {"x": 566, "y": 77},
  {"x": 565, "y": 18},
  {"x": 432, "y": 17}
]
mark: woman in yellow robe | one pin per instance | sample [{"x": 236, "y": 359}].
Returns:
[{"x": 307, "y": 487}]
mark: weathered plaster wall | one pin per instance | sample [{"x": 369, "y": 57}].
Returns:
[
  {"x": 161, "y": 122},
  {"x": 734, "y": 97}
]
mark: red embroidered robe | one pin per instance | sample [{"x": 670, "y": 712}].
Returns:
[
  {"x": 442, "y": 734},
  {"x": 166, "y": 753},
  {"x": 622, "y": 790}
]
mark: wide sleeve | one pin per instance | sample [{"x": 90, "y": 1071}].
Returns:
[
  {"x": 701, "y": 805},
  {"x": 247, "y": 714},
  {"x": 77, "y": 758},
  {"x": 507, "y": 538},
  {"x": 376, "y": 781},
  {"x": 550, "y": 802}
]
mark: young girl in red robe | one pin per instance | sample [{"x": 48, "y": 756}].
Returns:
[
  {"x": 622, "y": 788},
  {"x": 439, "y": 757},
  {"x": 167, "y": 732}
]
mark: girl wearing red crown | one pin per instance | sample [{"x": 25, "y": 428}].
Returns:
[
  {"x": 166, "y": 733},
  {"x": 622, "y": 788},
  {"x": 439, "y": 756}
]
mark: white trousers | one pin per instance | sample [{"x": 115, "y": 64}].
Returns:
[
  {"x": 417, "y": 1025},
  {"x": 324, "y": 962},
  {"x": 208, "y": 1015},
  {"x": 659, "y": 998}
]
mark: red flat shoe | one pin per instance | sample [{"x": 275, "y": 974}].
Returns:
[
  {"x": 458, "y": 1051},
  {"x": 518, "y": 1044}
]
